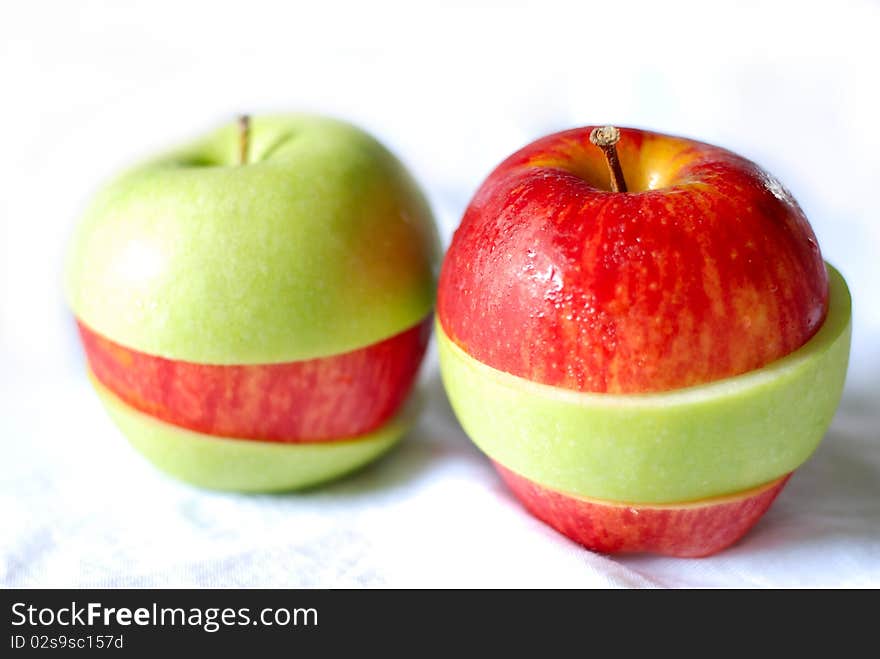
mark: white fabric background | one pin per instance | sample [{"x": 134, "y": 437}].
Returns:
[{"x": 89, "y": 86}]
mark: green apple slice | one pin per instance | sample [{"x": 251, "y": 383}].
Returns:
[
  {"x": 670, "y": 447},
  {"x": 246, "y": 465}
]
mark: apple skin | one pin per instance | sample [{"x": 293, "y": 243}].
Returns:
[
  {"x": 706, "y": 269},
  {"x": 692, "y": 530},
  {"x": 274, "y": 312},
  {"x": 314, "y": 400},
  {"x": 660, "y": 448},
  {"x": 247, "y": 465},
  {"x": 320, "y": 245}
]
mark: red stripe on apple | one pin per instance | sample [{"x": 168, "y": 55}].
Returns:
[
  {"x": 315, "y": 400},
  {"x": 689, "y": 530}
]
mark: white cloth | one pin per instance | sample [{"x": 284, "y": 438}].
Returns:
[{"x": 78, "y": 507}]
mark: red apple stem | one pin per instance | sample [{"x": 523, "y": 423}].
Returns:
[
  {"x": 244, "y": 138},
  {"x": 606, "y": 138}
]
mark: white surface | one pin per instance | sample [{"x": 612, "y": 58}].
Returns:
[
  {"x": 89, "y": 86},
  {"x": 80, "y": 508}
]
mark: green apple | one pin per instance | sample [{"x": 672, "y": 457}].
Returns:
[
  {"x": 683, "y": 445},
  {"x": 254, "y": 306},
  {"x": 322, "y": 243}
]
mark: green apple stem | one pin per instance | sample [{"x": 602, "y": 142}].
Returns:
[
  {"x": 606, "y": 138},
  {"x": 244, "y": 136}
]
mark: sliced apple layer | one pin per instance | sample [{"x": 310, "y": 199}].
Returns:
[
  {"x": 321, "y": 244},
  {"x": 248, "y": 465},
  {"x": 683, "y": 445},
  {"x": 313, "y": 400},
  {"x": 690, "y": 530}
]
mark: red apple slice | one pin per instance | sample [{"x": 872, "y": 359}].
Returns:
[
  {"x": 705, "y": 270},
  {"x": 687, "y": 530},
  {"x": 314, "y": 400}
]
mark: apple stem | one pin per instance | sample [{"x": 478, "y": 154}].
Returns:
[
  {"x": 606, "y": 138},
  {"x": 244, "y": 136}
]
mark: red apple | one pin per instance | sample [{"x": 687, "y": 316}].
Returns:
[
  {"x": 705, "y": 269},
  {"x": 626, "y": 333},
  {"x": 312, "y": 400},
  {"x": 691, "y": 530}
]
